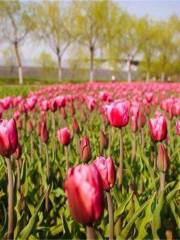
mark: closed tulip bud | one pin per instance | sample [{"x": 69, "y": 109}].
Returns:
[
  {"x": 64, "y": 136},
  {"x": 118, "y": 114},
  {"x": 85, "y": 149},
  {"x": 103, "y": 140},
  {"x": 38, "y": 128},
  {"x": 162, "y": 158},
  {"x": 84, "y": 190},
  {"x": 44, "y": 135},
  {"x": 158, "y": 128},
  {"x": 8, "y": 137},
  {"x": 107, "y": 171},
  {"x": 178, "y": 128},
  {"x": 75, "y": 126},
  {"x": 17, "y": 154}
]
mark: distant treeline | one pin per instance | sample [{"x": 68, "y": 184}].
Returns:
[{"x": 95, "y": 35}]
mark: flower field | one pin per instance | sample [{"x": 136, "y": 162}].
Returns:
[{"x": 91, "y": 161}]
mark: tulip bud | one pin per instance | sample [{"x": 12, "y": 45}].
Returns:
[
  {"x": 64, "y": 136},
  {"x": 38, "y": 128},
  {"x": 162, "y": 158},
  {"x": 85, "y": 149},
  {"x": 158, "y": 128},
  {"x": 8, "y": 137},
  {"x": 83, "y": 187},
  {"x": 75, "y": 126},
  {"x": 29, "y": 126},
  {"x": 17, "y": 154},
  {"x": 44, "y": 132},
  {"x": 103, "y": 140},
  {"x": 107, "y": 171}
]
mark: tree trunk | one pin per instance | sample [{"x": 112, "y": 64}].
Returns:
[
  {"x": 162, "y": 77},
  {"x": 91, "y": 73},
  {"x": 129, "y": 71},
  {"x": 20, "y": 69},
  {"x": 59, "y": 64},
  {"x": 147, "y": 77}
]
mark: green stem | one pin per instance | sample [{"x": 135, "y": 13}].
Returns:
[
  {"x": 48, "y": 176},
  {"x": 18, "y": 174},
  {"x": 111, "y": 217},
  {"x": 90, "y": 233},
  {"x": 10, "y": 199},
  {"x": 134, "y": 146},
  {"x": 162, "y": 180},
  {"x": 121, "y": 160},
  {"x": 67, "y": 158}
]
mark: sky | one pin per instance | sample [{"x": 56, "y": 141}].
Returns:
[{"x": 155, "y": 9}]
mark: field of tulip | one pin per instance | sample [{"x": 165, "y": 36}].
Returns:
[{"x": 91, "y": 161}]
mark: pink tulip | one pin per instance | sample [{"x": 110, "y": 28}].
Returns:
[
  {"x": 118, "y": 114},
  {"x": 84, "y": 190},
  {"x": 106, "y": 168},
  {"x": 158, "y": 128},
  {"x": 8, "y": 137},
  {"x": 64, "y": 136}
]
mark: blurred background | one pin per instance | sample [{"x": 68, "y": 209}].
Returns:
[{"x": 61, "y": 41}]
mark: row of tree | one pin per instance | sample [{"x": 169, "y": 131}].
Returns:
[{"x": 99, "y": 31}]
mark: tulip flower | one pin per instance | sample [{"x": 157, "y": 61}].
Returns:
[
  {"x": 64, "y": 136},
  {"x": 8, "y": 137},
  {"x": 84, "y": 190},
  {"x": 85, "y": 149},
  {"x": 158, "y": 128},
  {"x": 8, "y": 145},
  {"x": 118, "y": 114},
  {"x": 107, "y": 172}
]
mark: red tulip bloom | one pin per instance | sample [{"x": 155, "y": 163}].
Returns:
[
  {"x": 107, "y": 171},
  {"x": 158, "y": 128},
  {"x": 64, "y": 136},
  {"x": 118, "y": 114},
  {"x": 84, "y": 190},
  {"x": 8, "y": 137}
]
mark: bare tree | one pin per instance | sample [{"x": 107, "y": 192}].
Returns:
[
  {"x": 53, "y": 24},
  {"x": 15, "y": 25}
]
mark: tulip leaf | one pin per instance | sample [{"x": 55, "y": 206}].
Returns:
[
  {"x": 141, "y": 226},
  {"x": 175, "y": 212},
  {"x": 24, "y": 234},
  {"x": 3, "y": 228},
  {"x": 156, "y": 219},
  {"x": 173, "y": 192},
  {"x": 127, "y": 228},
  {"x": 122, "y": 207}
]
